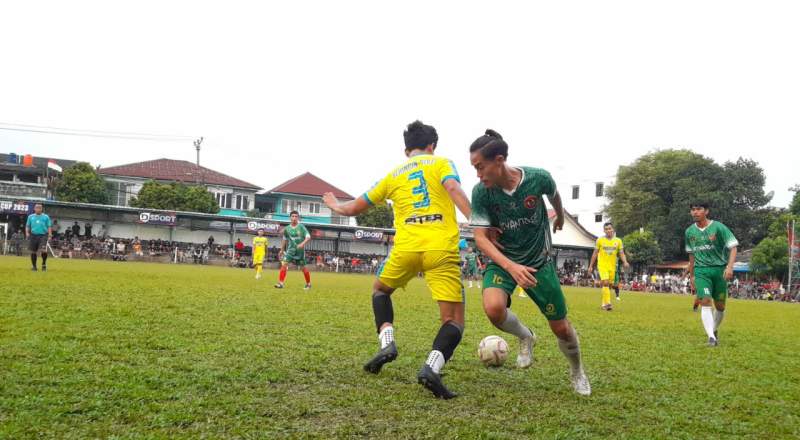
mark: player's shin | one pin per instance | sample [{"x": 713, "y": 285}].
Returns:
[
  {"x": 514, "y": 326},
  {"x": 444, "y": 345},
  {"x": 707, "y": 317},
  {"x": 282, "y": 274},
  {"x": 384, "y": 317},
  {"x": 570, "y": 346},
  {"x": 33, "y": 259},
  {"x": 307, "y": 275},
  {"x": 718, "y": 315}
]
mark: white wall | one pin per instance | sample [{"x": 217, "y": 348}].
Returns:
[
  {"x": 571, "y": 235},
  {"x": 587, "y": 204}
]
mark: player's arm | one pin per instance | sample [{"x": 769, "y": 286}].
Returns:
[
  {"x": 306, "y": 240},
  {"x": 558, "y": 224},
  {"x": 691, "y": 269},
  {"x": 28, "y": 228},
  {"x": 729, "y": 268},
  {"x": 593, "y": 259},
  {"x": 349, "y": 208},
  {"x": 623, "y": 258},
  {"x": 523, "y": 275},
  {"x": 458, "y": 196}
]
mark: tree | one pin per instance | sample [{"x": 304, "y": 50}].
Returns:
[
  {"x": 655, "y": 192},
  {"x": 175, "y": 197},
  {"x": 80, "y": 183},
  {"x": 794, "y": 206},
  {"x": 641, "y": 249},
  {"x": 771, "y": 257},
  {"x": 379, "y": 216}
]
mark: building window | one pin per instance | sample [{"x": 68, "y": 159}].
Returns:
[
  {"x": 284, "y": 206},
  {"x": 598, "y": 189},
  {"x": 598, "y": 217},
  {"x": 576, "y": 192},
  {"x": 313, "y": 208}
]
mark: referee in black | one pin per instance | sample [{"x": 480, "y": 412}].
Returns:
[{"x": 38, "y": 231}]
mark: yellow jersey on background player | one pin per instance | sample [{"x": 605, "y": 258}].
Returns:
[
  {"x": 608, "y": 250},
  {"x": 259, "y": 249}
]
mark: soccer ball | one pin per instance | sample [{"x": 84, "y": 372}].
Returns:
[{"x": 493, "y": 351}]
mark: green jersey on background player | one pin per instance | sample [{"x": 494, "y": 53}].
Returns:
[
  {"x": 295, "y": 238},
  {"x": 712, "y": 251},
  {"x": 472, "y": 267},
  {"x": 512, "y": 200}
]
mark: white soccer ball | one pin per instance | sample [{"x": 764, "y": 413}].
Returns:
[{"x": 493, "y": 351}]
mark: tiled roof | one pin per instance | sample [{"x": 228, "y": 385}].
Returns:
[
  {"x": 175, "y": 170},
  {"x": 311, "y": 185}
]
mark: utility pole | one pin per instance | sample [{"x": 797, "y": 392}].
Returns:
[
  {"x": 790, "y": 227},
  {"x": 197, "y": 143}
]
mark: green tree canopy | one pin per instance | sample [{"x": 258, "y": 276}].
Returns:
[
  {"x": 378, "y": 216},
  {"x": 794, "y": 206},
  {"x": 641, "y": 249},
  {"x": 655, "y": 192},
  {"x": 80, "y": 183},
  {"x": 175, "y": 197},
  {"x": 771, "y": 257}
]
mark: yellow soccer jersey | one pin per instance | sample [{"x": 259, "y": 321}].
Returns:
[
  {"x": 607, "y": 251},
  {"x": 260, "y": 244},
  {"x": 424, "y": 214}
]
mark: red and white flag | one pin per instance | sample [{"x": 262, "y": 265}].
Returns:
[{"x": 53, "y": 165}]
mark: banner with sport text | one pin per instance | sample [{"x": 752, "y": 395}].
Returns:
[
  {"x": 367, "y": 235},
  {"x": 269, "y": 228},
  {"x": 158, "y": 218}
]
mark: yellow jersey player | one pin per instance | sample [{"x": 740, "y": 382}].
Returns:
[
  {"x": 259, "y": 252},
  {"x": 424, "y": 190},
  {"x": 606, "y": 251}
]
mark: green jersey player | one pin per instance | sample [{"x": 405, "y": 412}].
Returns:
[
  {"x": 712, "y": 251},
  {"x": 295, "y": 238},
  {"x": 511, "y": 199},
  {"x": 472, "y": 264}
]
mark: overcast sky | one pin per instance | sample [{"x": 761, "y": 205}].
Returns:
[{"x": 281, "y": 88}]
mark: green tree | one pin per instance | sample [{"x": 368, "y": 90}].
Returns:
[
  {"x": 641, "y": 249},
  {"x": 80, "y": 183},
  {"x": 176, "y": 197},
  {"x": 379, "y": 216},
  {"x": 771, "y": 257},
  {"x": 794, "y": 206},
  {"x": 655, "y": 192}
]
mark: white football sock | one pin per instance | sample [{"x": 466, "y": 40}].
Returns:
[
  {"x": 386, "y": 336},
  {"x": 479, "y": 285},
  {"x": 718, "y": 315},
  {"x": 513, "y": 326},
  {"x": 470, "y": 283},
  {"x": 572, "y": 351},
  {"x": 435, "y": 361},
  {"x": 707, "y": 316}
]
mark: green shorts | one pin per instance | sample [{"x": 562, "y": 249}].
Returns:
[
  {"x": 710, "y": 281},
  {"x": 471, "y": 271},
  {"x": 547, "y": 294},
  {"x": 296, "y": 257}
]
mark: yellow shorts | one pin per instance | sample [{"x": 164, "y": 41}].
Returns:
[
  {"x": 606, "y": 273},
  {"x": 442, "y": 271},
  {"x": 258, "y": 257}
]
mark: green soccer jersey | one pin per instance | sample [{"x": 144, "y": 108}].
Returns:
[
  {"x": 472, "y": 260},
  {"x": 520, "y": 214},
  {"x": 294, "y": 235},
  {"x": 711, "y": 245}
]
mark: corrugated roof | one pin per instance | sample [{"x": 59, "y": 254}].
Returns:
[{"x": 175, "y": 170}]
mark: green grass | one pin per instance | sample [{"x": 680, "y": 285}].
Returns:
[{"x": 130, "y": 350}]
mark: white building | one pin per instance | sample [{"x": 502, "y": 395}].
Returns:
[
  {"x": 234, "y": 196},
  {"x": 585, "y": 198}
]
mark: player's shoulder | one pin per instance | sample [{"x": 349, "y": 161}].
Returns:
[{"x": 535, "y": 173}]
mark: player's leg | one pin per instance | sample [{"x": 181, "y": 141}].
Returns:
[
  {"x": 705, "y": 285},
  {"x": 301, "y": 263},
  {"x": 551, "y": 302},
  {"x": 282, "y": 273},
  {"x": 720, "y": 297},
  {"x": 33, "y": 247},
  {"x": 604, "y": 283},
  {"x": 442, "y": 276},
  {"x": 615, "y": 284},
  {"x": 396, "y": 271},
  {"x": 497, "y": 306},
  {"x": 43, "y": 249}
]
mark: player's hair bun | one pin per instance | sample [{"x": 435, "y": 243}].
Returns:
[{"x": 492, "y": 133}]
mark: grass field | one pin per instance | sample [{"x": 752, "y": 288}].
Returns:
[{"x": 133, "y": 350}]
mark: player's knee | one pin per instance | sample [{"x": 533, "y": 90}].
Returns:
[
  {"x": 495, "y": 312},
  {"x": 561, "y": 329},
  {"x": 706, "y": 301}
]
